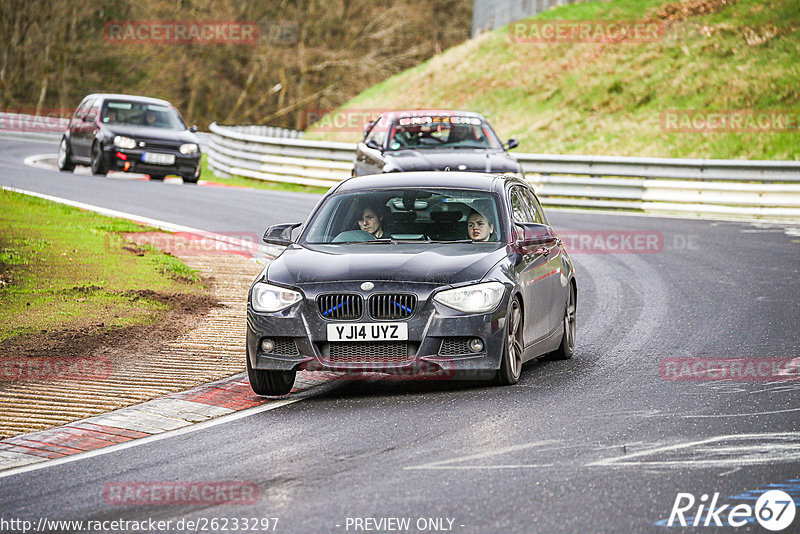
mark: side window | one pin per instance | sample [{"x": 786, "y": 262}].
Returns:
[
  {"x": 541, "y": 211},
  {"x": 532, "y": 205},
  {"x": 518, "y": 206},
  {"x": 87, "y": 107},
  {"x": 82, "y": 107},
  {"x": 376, "y": 134}
]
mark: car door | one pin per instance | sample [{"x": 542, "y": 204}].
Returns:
[
  {"x": 80, "y": 137},
  {"x": 552, "y": 252},
  {"x": 532, "y": 273}
]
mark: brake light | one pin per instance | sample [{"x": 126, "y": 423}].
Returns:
[{"x": 123, "y": 157}]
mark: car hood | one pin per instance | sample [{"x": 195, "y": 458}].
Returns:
[
  {"x": 438, "y": 160},
  {"x": 429, "y": 263},
  {"x": 148, "y": 132}
]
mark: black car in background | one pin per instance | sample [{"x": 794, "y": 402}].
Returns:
[
  {"x": 131, "y": 134},
  {"x": 433, "y": 140}
]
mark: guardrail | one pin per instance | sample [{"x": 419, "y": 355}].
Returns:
[
  {"x": 33, "y": 126},
  {"x": 746, "y": 188}
]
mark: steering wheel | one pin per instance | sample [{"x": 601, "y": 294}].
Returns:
[{"x": 353, "y": 235}]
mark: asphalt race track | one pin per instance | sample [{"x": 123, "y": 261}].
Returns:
[{"x": 600, "y": 443}]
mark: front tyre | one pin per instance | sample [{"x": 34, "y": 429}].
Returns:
[
  {"x": 98, "y": 165},
  {"x": 567, "y": 347},
  {"x": 511, "y": 363},
  {"x": 65, "y": 157},
  {"x": 270, "y": 383}
]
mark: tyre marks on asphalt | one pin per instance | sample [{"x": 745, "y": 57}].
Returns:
[
  {"x": 734, "y": 450},
  {"x": 721, "y": 452}
]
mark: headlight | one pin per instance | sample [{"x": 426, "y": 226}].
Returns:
[
  {"x": 473, "y": 299},
  {"x": 124, "y": 142},
  {"x": 189, "y": 148},
  {"x": 269, "y": 298}
]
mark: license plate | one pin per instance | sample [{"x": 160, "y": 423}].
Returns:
[
  {"x": 368, "y": 332},
  {"x": 158, "y": 159}
]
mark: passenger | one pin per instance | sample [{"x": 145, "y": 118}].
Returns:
[
  {"x": 478, "y": 227},
  {"x": 371, "y": 220}
]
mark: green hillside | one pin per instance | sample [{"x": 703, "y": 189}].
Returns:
[{"x": 611, "y": 98}]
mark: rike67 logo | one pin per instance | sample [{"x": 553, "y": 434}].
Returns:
[{"x": 774, "y": 510}]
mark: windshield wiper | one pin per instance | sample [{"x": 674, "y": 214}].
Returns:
[{"x": 452, "y": 241}]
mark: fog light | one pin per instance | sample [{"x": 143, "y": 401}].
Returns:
[
  {"x": 267, "y": 345},
  {"x": 475, "y": 345}
]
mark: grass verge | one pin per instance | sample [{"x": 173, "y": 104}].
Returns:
[
  {"x": 609, "y": 98},
  {"x": 62, "y": 268}
]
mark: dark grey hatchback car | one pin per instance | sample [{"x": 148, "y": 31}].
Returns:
[
  {"x": 424, "y": 274},
  {"x": 130, "y": 134}
]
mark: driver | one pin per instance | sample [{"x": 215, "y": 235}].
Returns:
[
  {"x": 459, "y": 134},
  {"x": 478, "y": 227},
  {"x": 370, "y": 220},
  {"x": 150, "y": 118}
]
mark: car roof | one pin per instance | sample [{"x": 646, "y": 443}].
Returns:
[
  {"x": 446, "y": 179},
  {"x": 131, "y": 98}
]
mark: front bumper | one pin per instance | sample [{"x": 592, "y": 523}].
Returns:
[
  {"x": 185, "y": 165},
  {"x": 436, "y": 346}
]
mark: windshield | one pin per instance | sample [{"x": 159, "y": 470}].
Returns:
[
  {"x": 141, "y": 114},
  {"x": 407, "y": 215},
  {"x": 452, "y": 132}
]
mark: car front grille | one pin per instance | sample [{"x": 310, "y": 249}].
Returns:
[
  {"x": 159, "y": 145},
  {"x": 387, "y": 306},
  {"x": 369, "y": 352},
  {"x": 340, "y": 306}
]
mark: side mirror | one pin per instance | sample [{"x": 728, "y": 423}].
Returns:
[
  {"x": 193, "y": 128},
  {"x": 280, "y": 234},
  {"x": 374, "y": 145},
  {"x": 511, "y": 143},
  {"x": 534, "y": 234}
]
